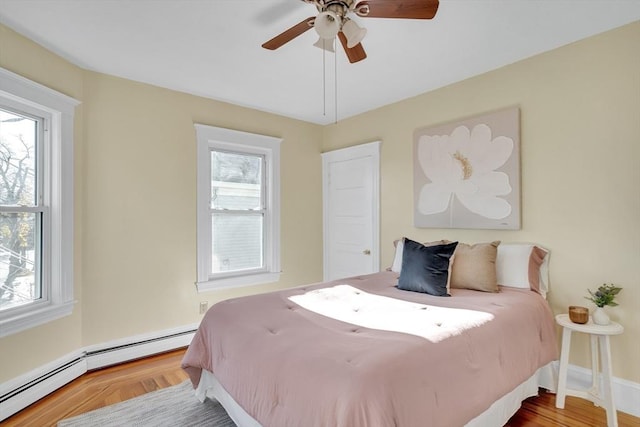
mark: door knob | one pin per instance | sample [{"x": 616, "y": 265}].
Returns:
[{"x": 366, "y": 252}]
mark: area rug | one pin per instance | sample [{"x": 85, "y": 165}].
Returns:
[{"x": 174, "y": 406}]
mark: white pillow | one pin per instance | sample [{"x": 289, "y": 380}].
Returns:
[
  {"x": 396, "y": 267},
  {"x": 523, "y": 265}
]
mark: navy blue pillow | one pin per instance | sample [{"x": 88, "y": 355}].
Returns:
[{"x": 425, "y": 268}]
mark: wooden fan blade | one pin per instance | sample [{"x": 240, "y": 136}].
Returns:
[
  {"x": 289, "y": 34},
  {"x": 406, "y": 9},
  {"x": 356, "y": 53}
]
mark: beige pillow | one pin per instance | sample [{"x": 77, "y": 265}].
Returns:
[{"x": 474, "y": 267}]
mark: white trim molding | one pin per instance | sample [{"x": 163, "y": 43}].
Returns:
[
  {"x": 626, "y": 394},
  {"x": 26, "y": 389},
  {"x": 57, "y": 110},
  {"x": 211, "y": 137}
]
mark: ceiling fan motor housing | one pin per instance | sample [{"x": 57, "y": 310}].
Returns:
[{"x": 339, "y": 7}]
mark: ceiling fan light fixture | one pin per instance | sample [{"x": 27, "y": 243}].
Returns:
[
  {"x": 325, "y": 44},
  {"x": 353, "y": 32},
  {"x": 327, "y": 24}
]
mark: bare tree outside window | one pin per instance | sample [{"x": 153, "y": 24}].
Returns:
[
  {"x": 235, "y": 167},
  {"x": 19, "y": 222},
  {"x": 36, "y": 204}
]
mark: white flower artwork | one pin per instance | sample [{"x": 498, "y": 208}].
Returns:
[{"x": 467, "y": 173}]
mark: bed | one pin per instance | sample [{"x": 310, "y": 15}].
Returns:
[{"x": 362, "y": 352}]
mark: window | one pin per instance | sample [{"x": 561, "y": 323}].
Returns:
[
  {"x": 22, "y": 213},
  {"x": 36, "y": 204},
  {"x": 238, "y": 208}
]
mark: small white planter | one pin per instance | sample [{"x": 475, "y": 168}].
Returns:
[{"x": 600, "y": 316}]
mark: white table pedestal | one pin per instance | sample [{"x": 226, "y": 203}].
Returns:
[{"x": 600, "y": 358}]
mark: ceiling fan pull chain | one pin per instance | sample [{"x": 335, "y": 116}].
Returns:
[
  {"x": 335, "y": 82},
  {"x": 324, "y": 82}
]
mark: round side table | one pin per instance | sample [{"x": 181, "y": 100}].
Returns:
[{"x": 599, "y": 337}]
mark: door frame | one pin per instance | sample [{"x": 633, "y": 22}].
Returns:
[{"x": 371, "y": 149}]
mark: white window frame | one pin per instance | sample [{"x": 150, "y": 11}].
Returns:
[
  {"x": 58, "y": 111},
  {"x": 214, "y": 138}
]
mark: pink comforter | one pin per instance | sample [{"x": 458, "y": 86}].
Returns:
[{"x": 288, "y": 366}]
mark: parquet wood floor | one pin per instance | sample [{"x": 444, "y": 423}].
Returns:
[{"x": 118, "y": 383}]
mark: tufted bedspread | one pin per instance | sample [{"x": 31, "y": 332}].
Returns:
[{"x": 288, "y": 366}]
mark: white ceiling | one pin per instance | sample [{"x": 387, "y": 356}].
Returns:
[{"x": 212, "y": 48}]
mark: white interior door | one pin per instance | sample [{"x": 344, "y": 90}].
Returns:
[{"x": 351, "y": 211}]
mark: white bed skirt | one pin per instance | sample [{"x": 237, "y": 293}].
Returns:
[{"x": 496, "y": 415}]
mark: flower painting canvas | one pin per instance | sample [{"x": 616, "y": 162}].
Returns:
[{"x": 467, "y": 173}]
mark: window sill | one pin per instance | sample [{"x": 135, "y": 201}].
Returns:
[
  {"x": 238, "y": 281},
  {"x": 34, "y": 317}
]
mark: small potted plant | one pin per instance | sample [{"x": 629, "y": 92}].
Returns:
[{"x": 605, "y": 295}]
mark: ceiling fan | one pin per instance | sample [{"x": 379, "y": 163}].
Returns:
[{"x": 333, "y": 20}]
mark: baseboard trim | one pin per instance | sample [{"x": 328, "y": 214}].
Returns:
[
  {"x": 626, "y": 393},
  {"x": 21, "y": 392},
  {"x": 26, "y": 389},
  {"x": 114, "y": 352}
]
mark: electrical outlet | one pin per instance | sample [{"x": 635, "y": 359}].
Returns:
[{"x": 203, "y": 306}]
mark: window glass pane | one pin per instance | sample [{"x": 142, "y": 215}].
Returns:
[
  {"x": 17, "y": 159},
  {"x": 236, "y": 181},
  {"x": 236, "y": 242},
  {"x": 18, "y": 259}
]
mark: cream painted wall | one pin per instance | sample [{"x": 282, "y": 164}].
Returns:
[
  {"x": 580, "y": 156},
  {"x": 135, "y": 206},
  {"x": 140, "y": 203}
]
